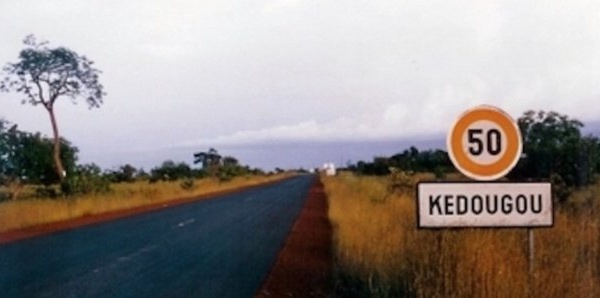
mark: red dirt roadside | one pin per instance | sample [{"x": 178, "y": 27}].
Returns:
[{"x": 304, "y": 265}]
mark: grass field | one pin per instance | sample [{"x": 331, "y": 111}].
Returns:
[
  {"x": 29, "y": 212},
  {"x": 380, "y": 253}
]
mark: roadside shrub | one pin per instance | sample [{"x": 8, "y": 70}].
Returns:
[
  {"x": 46, "y": 192},
  {"x": 224, "y": 176},
  {"x": 170, "y": 171},
  {"x": 560, "y": 190},
  {"x": 3, "y": 196},
  {"x": 188, "y": 184},
  {"x": 79, "y": 185},
  {"x": 439, "y": 172},
  {"x": 87, "y": 179},
  {"x": 400, "y": 182}
]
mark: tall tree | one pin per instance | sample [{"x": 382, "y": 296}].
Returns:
[{"x": 44, "y": 74}]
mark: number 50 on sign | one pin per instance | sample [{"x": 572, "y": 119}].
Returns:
[{"x": 484, "y": 143}]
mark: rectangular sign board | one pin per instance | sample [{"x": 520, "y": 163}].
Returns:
[{"x": 484, "y": 204}]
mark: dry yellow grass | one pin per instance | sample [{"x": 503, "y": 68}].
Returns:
[
  {"x": 25, "y": 213},
  {"x": 380, "y": 253}
]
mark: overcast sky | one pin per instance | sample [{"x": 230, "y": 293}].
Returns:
[{"x": 182, "y": 76}]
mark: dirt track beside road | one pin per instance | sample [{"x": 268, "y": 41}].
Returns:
[{"x": 304, "y": 265}]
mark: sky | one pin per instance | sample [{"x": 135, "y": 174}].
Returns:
[{"x": 295, "y": 83}]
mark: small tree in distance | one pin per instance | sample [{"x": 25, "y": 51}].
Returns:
[
  {"x": 44, "y": 74},
  {"x": 210, "y": 160},
  {"x": 170, "y": 171}
]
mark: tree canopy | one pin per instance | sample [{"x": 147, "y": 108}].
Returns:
[
  {"x": 555, "y": 150},
  {"x": 207, "y": 159},
  {"x": 223, "y": 167},
  {"x": 411, "y": 159},
  {"x": 171, "y": 171},
  {"x": 43, "y": 74}
]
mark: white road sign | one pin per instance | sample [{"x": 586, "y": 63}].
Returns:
[{"x": 484, "y": 204}]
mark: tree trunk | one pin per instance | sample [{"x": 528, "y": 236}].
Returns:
[
  {"x": 14, "y": 188},
  {"x": 60, "y": 170}
]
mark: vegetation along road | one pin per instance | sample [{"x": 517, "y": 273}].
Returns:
[{"x": 222, "y": 247}]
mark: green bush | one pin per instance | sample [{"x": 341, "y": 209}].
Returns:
[
  {"x": 225, "y": 176},
  {"x": 188, "y": 184},
  {"x": 46, "y": 192},
  {"x": 87, "y": 179}
]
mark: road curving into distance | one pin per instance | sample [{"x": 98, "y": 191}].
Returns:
[{"x": 223, "y": 247}]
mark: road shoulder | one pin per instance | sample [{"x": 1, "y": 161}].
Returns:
[{"x": 303, "y": 266}]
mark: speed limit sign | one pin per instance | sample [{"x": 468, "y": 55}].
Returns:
[{"x": 484, "y": 143}]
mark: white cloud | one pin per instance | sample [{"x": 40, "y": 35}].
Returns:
[
  {"x": 390, "y": 126},
  {"x": 310, "y": 130}
]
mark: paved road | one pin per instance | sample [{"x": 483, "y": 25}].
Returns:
[{"x": 222, "y": 247}]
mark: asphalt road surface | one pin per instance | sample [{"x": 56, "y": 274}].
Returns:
[{"x": 222, "y": 247}]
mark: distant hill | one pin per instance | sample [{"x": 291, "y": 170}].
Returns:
[
  {"x": 290, "y": 154},
  {"x": 314, "y": 154}
]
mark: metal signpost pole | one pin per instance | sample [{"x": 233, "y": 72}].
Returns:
[
  {"x": 530, "y": 250},
  {"x": 530, "y": 260}
]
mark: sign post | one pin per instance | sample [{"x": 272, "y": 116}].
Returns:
[{"x": 485, "y": 144}]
